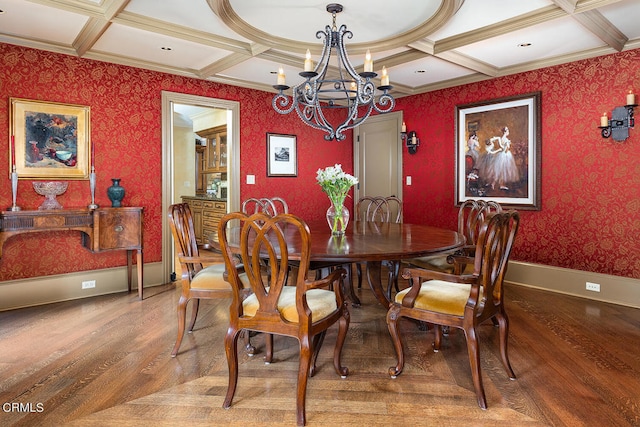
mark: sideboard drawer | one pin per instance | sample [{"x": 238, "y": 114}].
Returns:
[{"x": 118, "y": 228}]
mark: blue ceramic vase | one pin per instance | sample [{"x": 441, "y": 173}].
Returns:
[{"x": 115, "y": 193}]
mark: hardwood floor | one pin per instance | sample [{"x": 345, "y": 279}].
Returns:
[{"x": 105, "y": 361}]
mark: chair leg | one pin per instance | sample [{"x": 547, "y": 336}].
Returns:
[
  {"x": 182, "y": 314},
  {"x": 393, "y": 315},
  {"x": 194, "y": 313},
  {"x": 437, "y": 330},
  {"x": 268, "y": 340},
  {"x": 347, "y": 286},
  {"x": 359, "y": 273},
  {"x": 503, "y": 322},
  {"x": 248, "y": 347},
  {"x": 303, "y": 376},
  {"x": 231, "y": 350},
  {"x": 343, "y": 327},
  {"x": 474, "y": 360},
  {"x": 318, "y": 339}
]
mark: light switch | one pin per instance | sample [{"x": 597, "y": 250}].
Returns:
[
  {"x": 187, "y": 184},
  {"x": 251, "y": 179},
  {"x": 408, "y": 180}
]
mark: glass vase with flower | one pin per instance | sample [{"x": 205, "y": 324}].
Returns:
[{"x": 336, "y": 184}]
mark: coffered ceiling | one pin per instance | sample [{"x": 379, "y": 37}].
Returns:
[{"x": 424, "y": 44}]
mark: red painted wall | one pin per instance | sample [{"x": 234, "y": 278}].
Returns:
[
  {"x": 590, "y": 186},
  {"x": 590, "y": 216}
]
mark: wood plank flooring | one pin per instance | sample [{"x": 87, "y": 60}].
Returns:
[{"x": 105, "y": 361}]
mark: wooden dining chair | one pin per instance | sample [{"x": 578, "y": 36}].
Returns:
[
  {"x": 380, "y": 209},
  {"x": 198, "y": 281},
  {"x": 471, "y": 215},
  {"x": 304, "y": 311},
  {"x": 462, "y": 301}
]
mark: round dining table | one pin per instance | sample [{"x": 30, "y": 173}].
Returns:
[
  {"x": 374, "y": 242},
  {"x": 371, "y": 243}
]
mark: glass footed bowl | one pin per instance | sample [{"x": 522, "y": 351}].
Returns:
[{"x": 50, "y": 190}]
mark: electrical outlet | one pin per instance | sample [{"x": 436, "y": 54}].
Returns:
[
  {"x": 88, "y": 284},
  {"x": 595, "y": 287}
]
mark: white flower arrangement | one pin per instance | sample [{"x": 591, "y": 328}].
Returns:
[{"x": 335, "y": 183}]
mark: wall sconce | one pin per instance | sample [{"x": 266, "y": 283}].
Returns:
[
  {"x": 621, "y": 120},
  {"x": 412, "y": 142}
]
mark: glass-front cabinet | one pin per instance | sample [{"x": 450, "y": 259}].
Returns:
[{"x": 216, "y": 149}]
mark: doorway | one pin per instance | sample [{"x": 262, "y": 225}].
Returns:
[
  {"x": 378, "y": 156},
  {"x": 169, "y": 147}
]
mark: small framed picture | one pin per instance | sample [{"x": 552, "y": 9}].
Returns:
[
  {"x": 49, "y": 140},
  {"x": 282, "y": 155}
]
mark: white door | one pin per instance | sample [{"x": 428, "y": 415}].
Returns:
[{"x": 378, "y": 156}]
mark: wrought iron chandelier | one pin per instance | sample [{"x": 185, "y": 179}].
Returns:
[{"x": 349, "y": 90}]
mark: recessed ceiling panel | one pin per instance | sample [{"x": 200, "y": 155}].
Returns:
[
  {"x": 505, "y": 50},
  {"x": 194, "y": 14},
  {"x": 147, "y": 46},
  {"x": 368, "y": 20},
  {"x": 474, "y": 14},
  {"x": 261, "y": 71},
  {"x": 34, "y": 21},
  {"x": 426, "y": 71},
  {"x": 625, "y": 16}
]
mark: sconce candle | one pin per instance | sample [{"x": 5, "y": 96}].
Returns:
[
  {"x": 368, "y": 63},
  {"x": 404, "y": 127},
  {"x": 93, "y": 155},
  {"x": 384, "y": 80},
  {"x": 604, "y": 120},
  {"x": 308, "y": 63},
  {"x": 631, "y": 98},
  {"x": 281, "y": 77}
]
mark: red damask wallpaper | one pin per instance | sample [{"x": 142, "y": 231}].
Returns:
[
  {"x": 590, "y": 216},
  {"x": 590, "y": 186},
  {"x": 126, "y": 130}
]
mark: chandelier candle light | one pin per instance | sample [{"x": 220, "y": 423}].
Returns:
[
  {"x": 336, "y": 184},
  {"x": 344, "y": 88}
]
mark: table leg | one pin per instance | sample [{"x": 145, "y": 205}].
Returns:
[
  {"x": 140, "y": 265},
  {"x": 130, "y": 270},
  {"x": 374, "y": 277}
]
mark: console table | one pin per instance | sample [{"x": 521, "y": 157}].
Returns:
[{"x": 103, "y": 229}]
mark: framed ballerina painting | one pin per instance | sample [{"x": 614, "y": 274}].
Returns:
[{"x": 498, "y": 146}]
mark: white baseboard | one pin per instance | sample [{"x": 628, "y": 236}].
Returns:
[
  {"x": 48, "y": 289},
  {"x": 613, "y": 289}
]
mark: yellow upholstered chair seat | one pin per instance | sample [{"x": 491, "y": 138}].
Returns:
[
  {"x": 321, "y": 302},
  {"x": 441, "y": 297},
  {"x": 212, "y": 277}
]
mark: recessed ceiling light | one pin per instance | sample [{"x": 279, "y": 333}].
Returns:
[
  {"x": 420, "y": 71},
  {"x": 1, "y": 11},
  {"x": 273, "y": 72},
  {"x": 524, "y": 44},
  {"x": 166, "y": 48}
]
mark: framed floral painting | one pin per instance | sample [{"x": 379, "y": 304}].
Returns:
[
  {"x": 498, "y": 146},
  {"x": 49, "y": 140}
]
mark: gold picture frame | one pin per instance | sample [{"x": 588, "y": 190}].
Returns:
[{"x": 49, "y": 140}]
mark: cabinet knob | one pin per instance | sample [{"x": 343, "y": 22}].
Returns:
[{"x": 118, "y": 229}]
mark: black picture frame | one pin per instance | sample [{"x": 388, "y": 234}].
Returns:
[{"x": 282, "y": 155}]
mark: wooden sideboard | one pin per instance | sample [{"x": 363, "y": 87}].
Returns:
[
  {"x": 206, "y": 216},
  {"x": 103, "y": 229}
]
